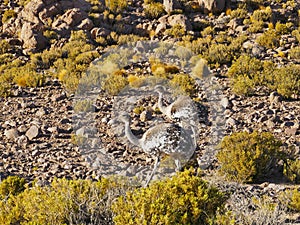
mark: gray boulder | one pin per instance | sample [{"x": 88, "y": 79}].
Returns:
[{"x": 215, "y": 6}]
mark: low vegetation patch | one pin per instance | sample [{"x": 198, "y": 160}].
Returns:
[{"x": 248, "y": 157}]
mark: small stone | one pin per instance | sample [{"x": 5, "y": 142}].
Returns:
[
  {"x": 226, "y": 103},
  {"x": 231, "y": 122},
  {"x": 40, "y": 112},
  {"x": 145, "y": 116},
  {"x": 275, "y": 98},
  {"x": 32, "y": 132},
  {"x": 11, "y": 134}
]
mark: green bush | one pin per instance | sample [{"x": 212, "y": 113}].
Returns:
[
  {"x": 295, "y": 200},
  {"x": 246, "y": 66},
  {"x": 239, "y": 13},
  {"x": 248, "y": 157},
  {"x": 4, "y": 47},
  {"x": 184, "y": 199},
  {"x": 294, "y": 53},
  {"x": 114, "y": 83},
  {"x": 177, "y": 31},
  {"x": 262, "y": 15},
  {"x": 185, "y": 82},
  {"x": 154, "y": 10},
  {"x": 283, "y": 28},
  {"x": 243, "y": 85},
  {"x": 11, "y": 186},
  {"x": 116, "y": 6},
  {"x": 219, "y": 54},
  {"x": 269, "y": 39},
  {"x": 63, "y": 202},
  {"x": 292, "y": 170},
  {"x": 27, "y": 76},
  {"x": 287, "y": 80},
  {"x": 10, "y": 13}
]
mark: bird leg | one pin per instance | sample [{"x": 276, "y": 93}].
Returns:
[
  {"x": 178, "y": 165},
  {"x": 157, "y": 161}
]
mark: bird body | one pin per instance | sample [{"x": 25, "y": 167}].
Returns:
[
  {"x": 164, "y": 138},
  {"x": 181, "y": 109}
]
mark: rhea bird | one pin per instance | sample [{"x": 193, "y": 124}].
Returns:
[
  {"x": 181, "y": 110},
  {"x": 163, "y": 138}
]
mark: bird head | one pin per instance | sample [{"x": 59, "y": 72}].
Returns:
[
  {"x": 122, "y": 117},
  {"x": 160, "y": 89}
]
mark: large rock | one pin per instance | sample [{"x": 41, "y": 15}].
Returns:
[
  {"x": 214, "y": 6},
  {"x": 180, "y": 19},
  {"x": 33, "y": 40},
  {"x": 70, "y": 18},
  {"x": 171, "y": 5}
]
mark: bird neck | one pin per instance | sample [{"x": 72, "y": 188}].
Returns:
[
  {"x": 162, "y": 108},
  {"x": 131, "y": 137}
]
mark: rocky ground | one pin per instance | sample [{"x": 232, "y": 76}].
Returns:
[{"x": 37, "y": 135}]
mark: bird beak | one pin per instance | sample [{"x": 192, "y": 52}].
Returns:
[{"x": 112, "y": 122}]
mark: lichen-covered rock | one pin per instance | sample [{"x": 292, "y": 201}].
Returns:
[{"x": 214, "y": 6}]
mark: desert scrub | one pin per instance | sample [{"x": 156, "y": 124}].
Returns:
[
  {"x": 219, "y": 54},
  {"x": 4, "y": 47},
  {"x": 185, "y": 83},
  {"x": 8, "y": 14},
  {"x": 292, "y": 170},
  {"x": 296, "y": 34},
  {"x": 83, "y": 106},
  {"x": 177, "y": 31},
  {"x": 294, "y": 53},
  {"x": 269, "y": 39},
  {"x": 295, "y": 200},
  {"x": 63, "y": 202},
  {"x": 154, "y": 10},
  {"x": 114, "y": 83},
  {"x": 183, "y": 199},
  {"x": 26, "y": 76},
  {"x": 262, "y": 15},
  {"x": 116, "y": 6},
  {"x": 239, "y": 13},
  {"x": 282, "y": 28},
  {"x": 287, "y": 80},
  {"x": 12, "y": 185},
  {"x": 248, "y": 157}
]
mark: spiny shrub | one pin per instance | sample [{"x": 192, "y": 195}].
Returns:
[
  {"x": 4, "y": 47},
  {"x": 177, "y": 31},
  {"x": 154, "y": 10},
  {"x": 12, "y": 185},
  {"x": 295, "y": 200},
  {"x": 10, "y": 13},
  {"x": 27, "y": 76},
  {"x": 283, "y": 28},
  {"x": 219, "y": 54},
  {"x": 184, "y": 199},
  {"x": 239, "y": 13},
  {"x": 116, "y": 6},
  {"x": 83, "y": 106},
  {"x": 248, "y": 157},
  {"x": 294, "y": 53},
  {"x": 287, "y": 80},
  {"x": 292, "y": 170},
  {"x": 269, "y": 39},
  {"x": 262, "y": 15},
  {"x": 63, "y": 202},
  {"x": 246, "y": 66},
  {"x": 243, "y": 85},
  {"x": 113, "y": 84},
  {"x": 186, "y": 83}
]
